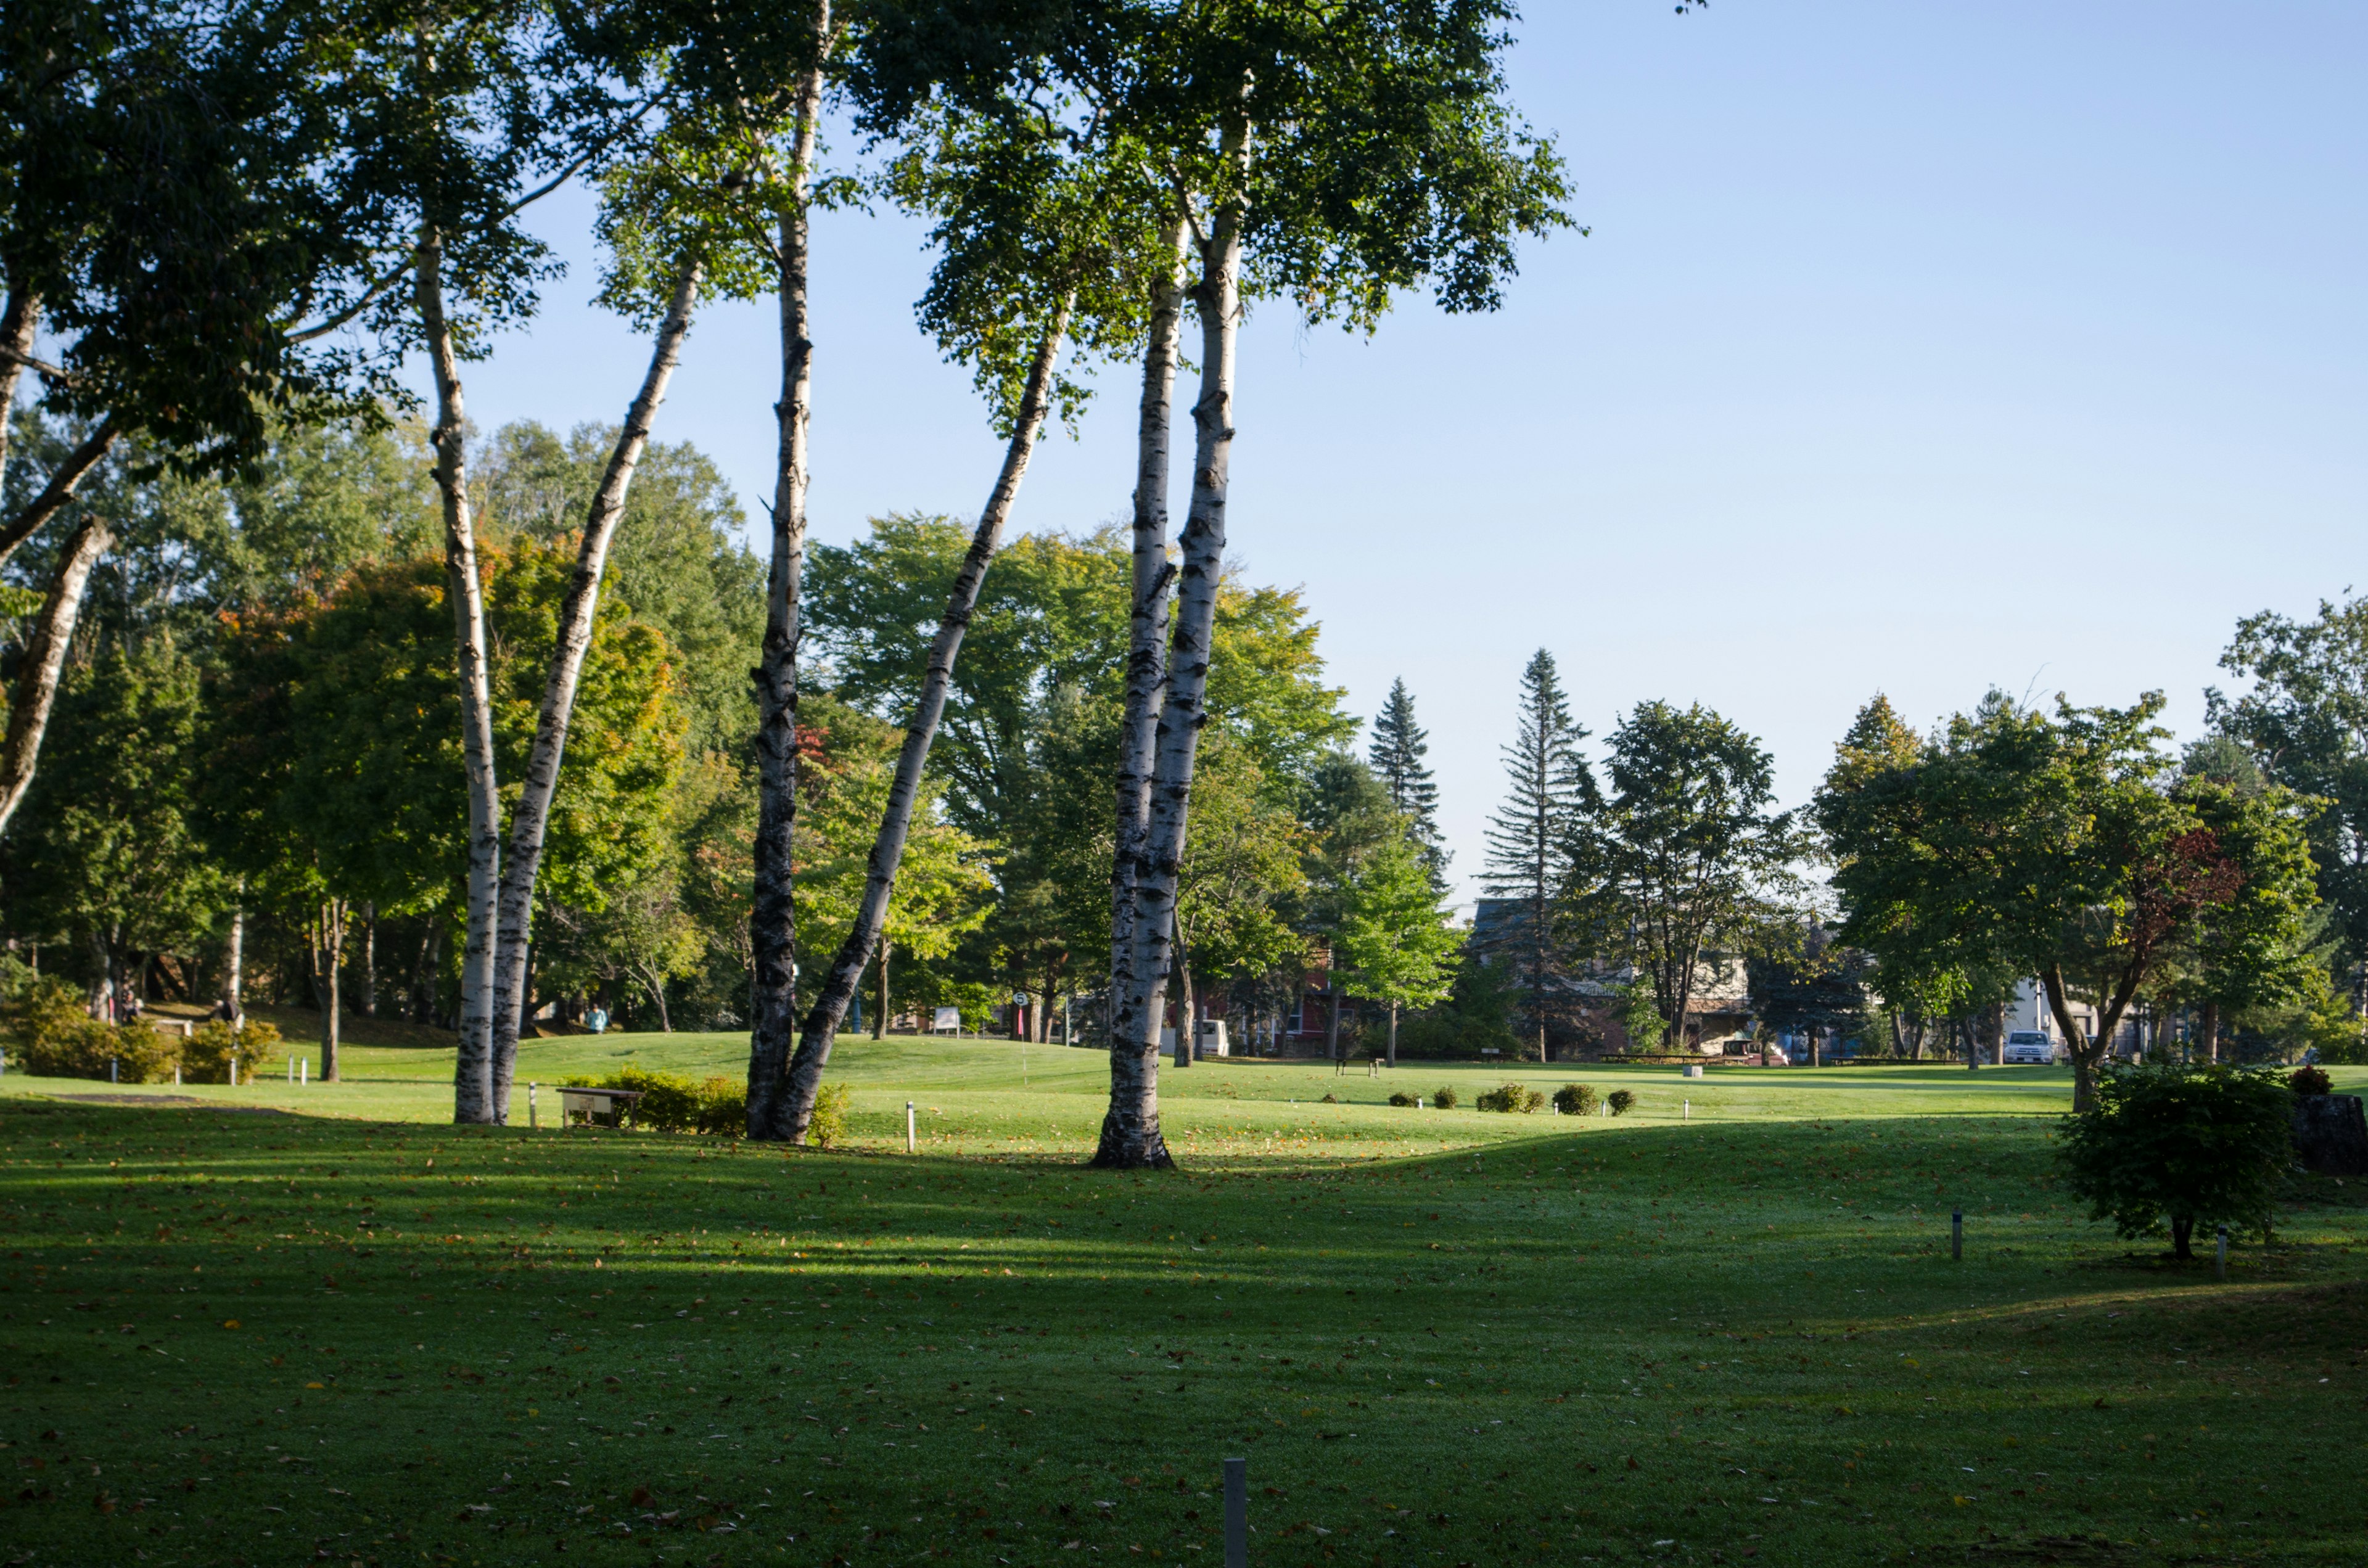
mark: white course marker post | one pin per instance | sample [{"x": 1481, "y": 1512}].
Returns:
[
  {"x": 912, "y": 1144},
  {"x": 1238, "y": 1513},
  {"x": 532, "y": 1120},
  {"x": 304, "y": 1072},
  {"x": 2220, "y": 1258}
]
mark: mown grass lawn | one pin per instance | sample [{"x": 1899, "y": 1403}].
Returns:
[{"x": 356, "y": 1336}]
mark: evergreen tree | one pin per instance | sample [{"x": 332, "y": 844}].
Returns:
[
  {"x": 1397, "y": 755},
  {"x": 1529, "y": 835}
]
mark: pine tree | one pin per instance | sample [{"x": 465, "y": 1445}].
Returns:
[
  {"x": 1529, "y": 835},
  {"x": 1399, "y": 745}
]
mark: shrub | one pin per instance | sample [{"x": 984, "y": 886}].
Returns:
[
  {"x": 2310, "y": 1081},
  {"x": 1402, "y": 1097},
  {"x": 723, "y": 1106},
  {"x": 2184, "y": 1144},
  {"x": 1443, "y": 1097},
  {"x": 1621, "y": 1101},
  {"x": 1576, "y": 1099},
  {"x": 57, "y": 1038},
  {"x": 1510, "y": 1098},
  {"x": 829, "y": 1128},
  {"x": 205, "y": 1055}
]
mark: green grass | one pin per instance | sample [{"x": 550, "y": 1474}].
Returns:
[{"x": 358, "y": 1336}]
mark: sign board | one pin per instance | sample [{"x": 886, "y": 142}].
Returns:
[{"x": 947, "y": 1021}]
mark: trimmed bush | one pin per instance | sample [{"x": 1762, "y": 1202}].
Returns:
[
  {"x": 1402, "y": 1097},
  {"x": 57, "y": 1038},
  {"x": 2182, "y": 1146},
  {"x": 723, "y": 1106},
  {"x": 1511, "y": 1098},
  {"x": 1443, "y": 1097},
  {"x": 829, "y": 1128},
  {"x": 672, "y": 1103},
  {"x": 205, "y": 1055},
  {"x": 1621, "y": 1101},
  {"x": 2310, "y": 1081},
  {"x": 1576, "y": 1099}
]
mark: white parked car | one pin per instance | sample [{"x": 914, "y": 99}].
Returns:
[{"x": 2028, "y": 1047}]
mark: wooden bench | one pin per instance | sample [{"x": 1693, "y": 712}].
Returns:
[{"x": 616, "y": 1103}]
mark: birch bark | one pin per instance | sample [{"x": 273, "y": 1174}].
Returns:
[
  {"x": 20, "y": 318},
  {"x": 1130, "y": 1135},
  {"x": 61, "y": 488},
  {"x": 332, "y": 944},
  {"x": 772, "y": 915},
  {"x": 44, "y": 661},
  {"x": 530, "y": 815},
  {"x": 235, "y": 958},
  {"x": 473, "y": 1075},
  {"x": 1147, "y": 661},
  {"x": 904, "y": 793}
]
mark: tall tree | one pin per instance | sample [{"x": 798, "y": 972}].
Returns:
[
  {"x": 2052, "y": 845},
  {"x": 1332, "y": 158},
  {"x": 155, "y": 163},
  {"x": 1531, "y": 836},
  {"x": 1398, "y": 748},
  {"x": 2305, "y": 722},
  {"x": 1679, "y": 863},
  {"x": 1394, "y": 943},
  {"x": 1039, "y": 226}
]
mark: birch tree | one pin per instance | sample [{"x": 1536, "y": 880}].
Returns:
[
  {"x": 1332, "y": 155},
  {"x": 153, "y": 164},
  {"x": 1039, "y": 222}
]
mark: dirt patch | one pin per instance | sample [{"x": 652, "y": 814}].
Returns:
[{"x": 172, "y": 1102}]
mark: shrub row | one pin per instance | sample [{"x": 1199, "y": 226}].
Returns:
[
  {"x": 55, "y": 1036},
  {"x": 718, "y": 1106},
  {"x": 1571, "y": 1100}
]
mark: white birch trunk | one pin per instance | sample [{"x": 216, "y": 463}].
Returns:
[
  {"x": 1130, "y": 1134},
  {"x": 772, "y": 921},
  {"x": 235, "y": 958},
  {"x": 59, "y": 490},
  {"x": 904, "y": 793},
  {"x": 1146, "y": 662},
  {"x": 20, "y": 321},
  {"x": 44, "y": 661},
  {"x": 472, "y": 1077},
  {"x": 530, "y": 815},
  {"x": 332, "y": 943}
]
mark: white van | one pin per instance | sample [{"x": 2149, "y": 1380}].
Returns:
[{"x": 2028, "y": 1047}]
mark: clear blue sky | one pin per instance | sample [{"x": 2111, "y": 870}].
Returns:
[{"x": 1917, "y": 347}]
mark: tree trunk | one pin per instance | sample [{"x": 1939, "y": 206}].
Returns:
[
  {"x": 64, "y": 482},
  {"x": 772, "y": 919},
  {"x": 2211, "y": 1025},
  {"x": 332, "y": 943},
  {"x": 2085, "y": 1052},
  {"x": 1332, "y": 1020},
  {"x": 2182, "y": 1237},
  {"x": 234, "y": 959},
  {"x": 1187, "y": 1002},
  {"x": 1146, "y": 660},
  {"x": 1130, "y": 1134},
  {"x": 530, "y": 815},
  {"x": 370, "y": 960},
  {"x": 904, "y": 792},
  {"x": 20, "y": 323},
  {"x": 44, "y": 661},
  {"x": 1394, "y": 1034},
  {"x": 472, "y": 1069},
  {"x": 880, "y": 1024}
]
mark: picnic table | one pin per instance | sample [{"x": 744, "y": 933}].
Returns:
[{"x": 616, "y": 1104}]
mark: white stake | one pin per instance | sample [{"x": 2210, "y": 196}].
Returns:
[
  {"x": 532, "y": 1120},
  {"x": 304, "y": 1071},
  {"x": 911, "y": 1144}
]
